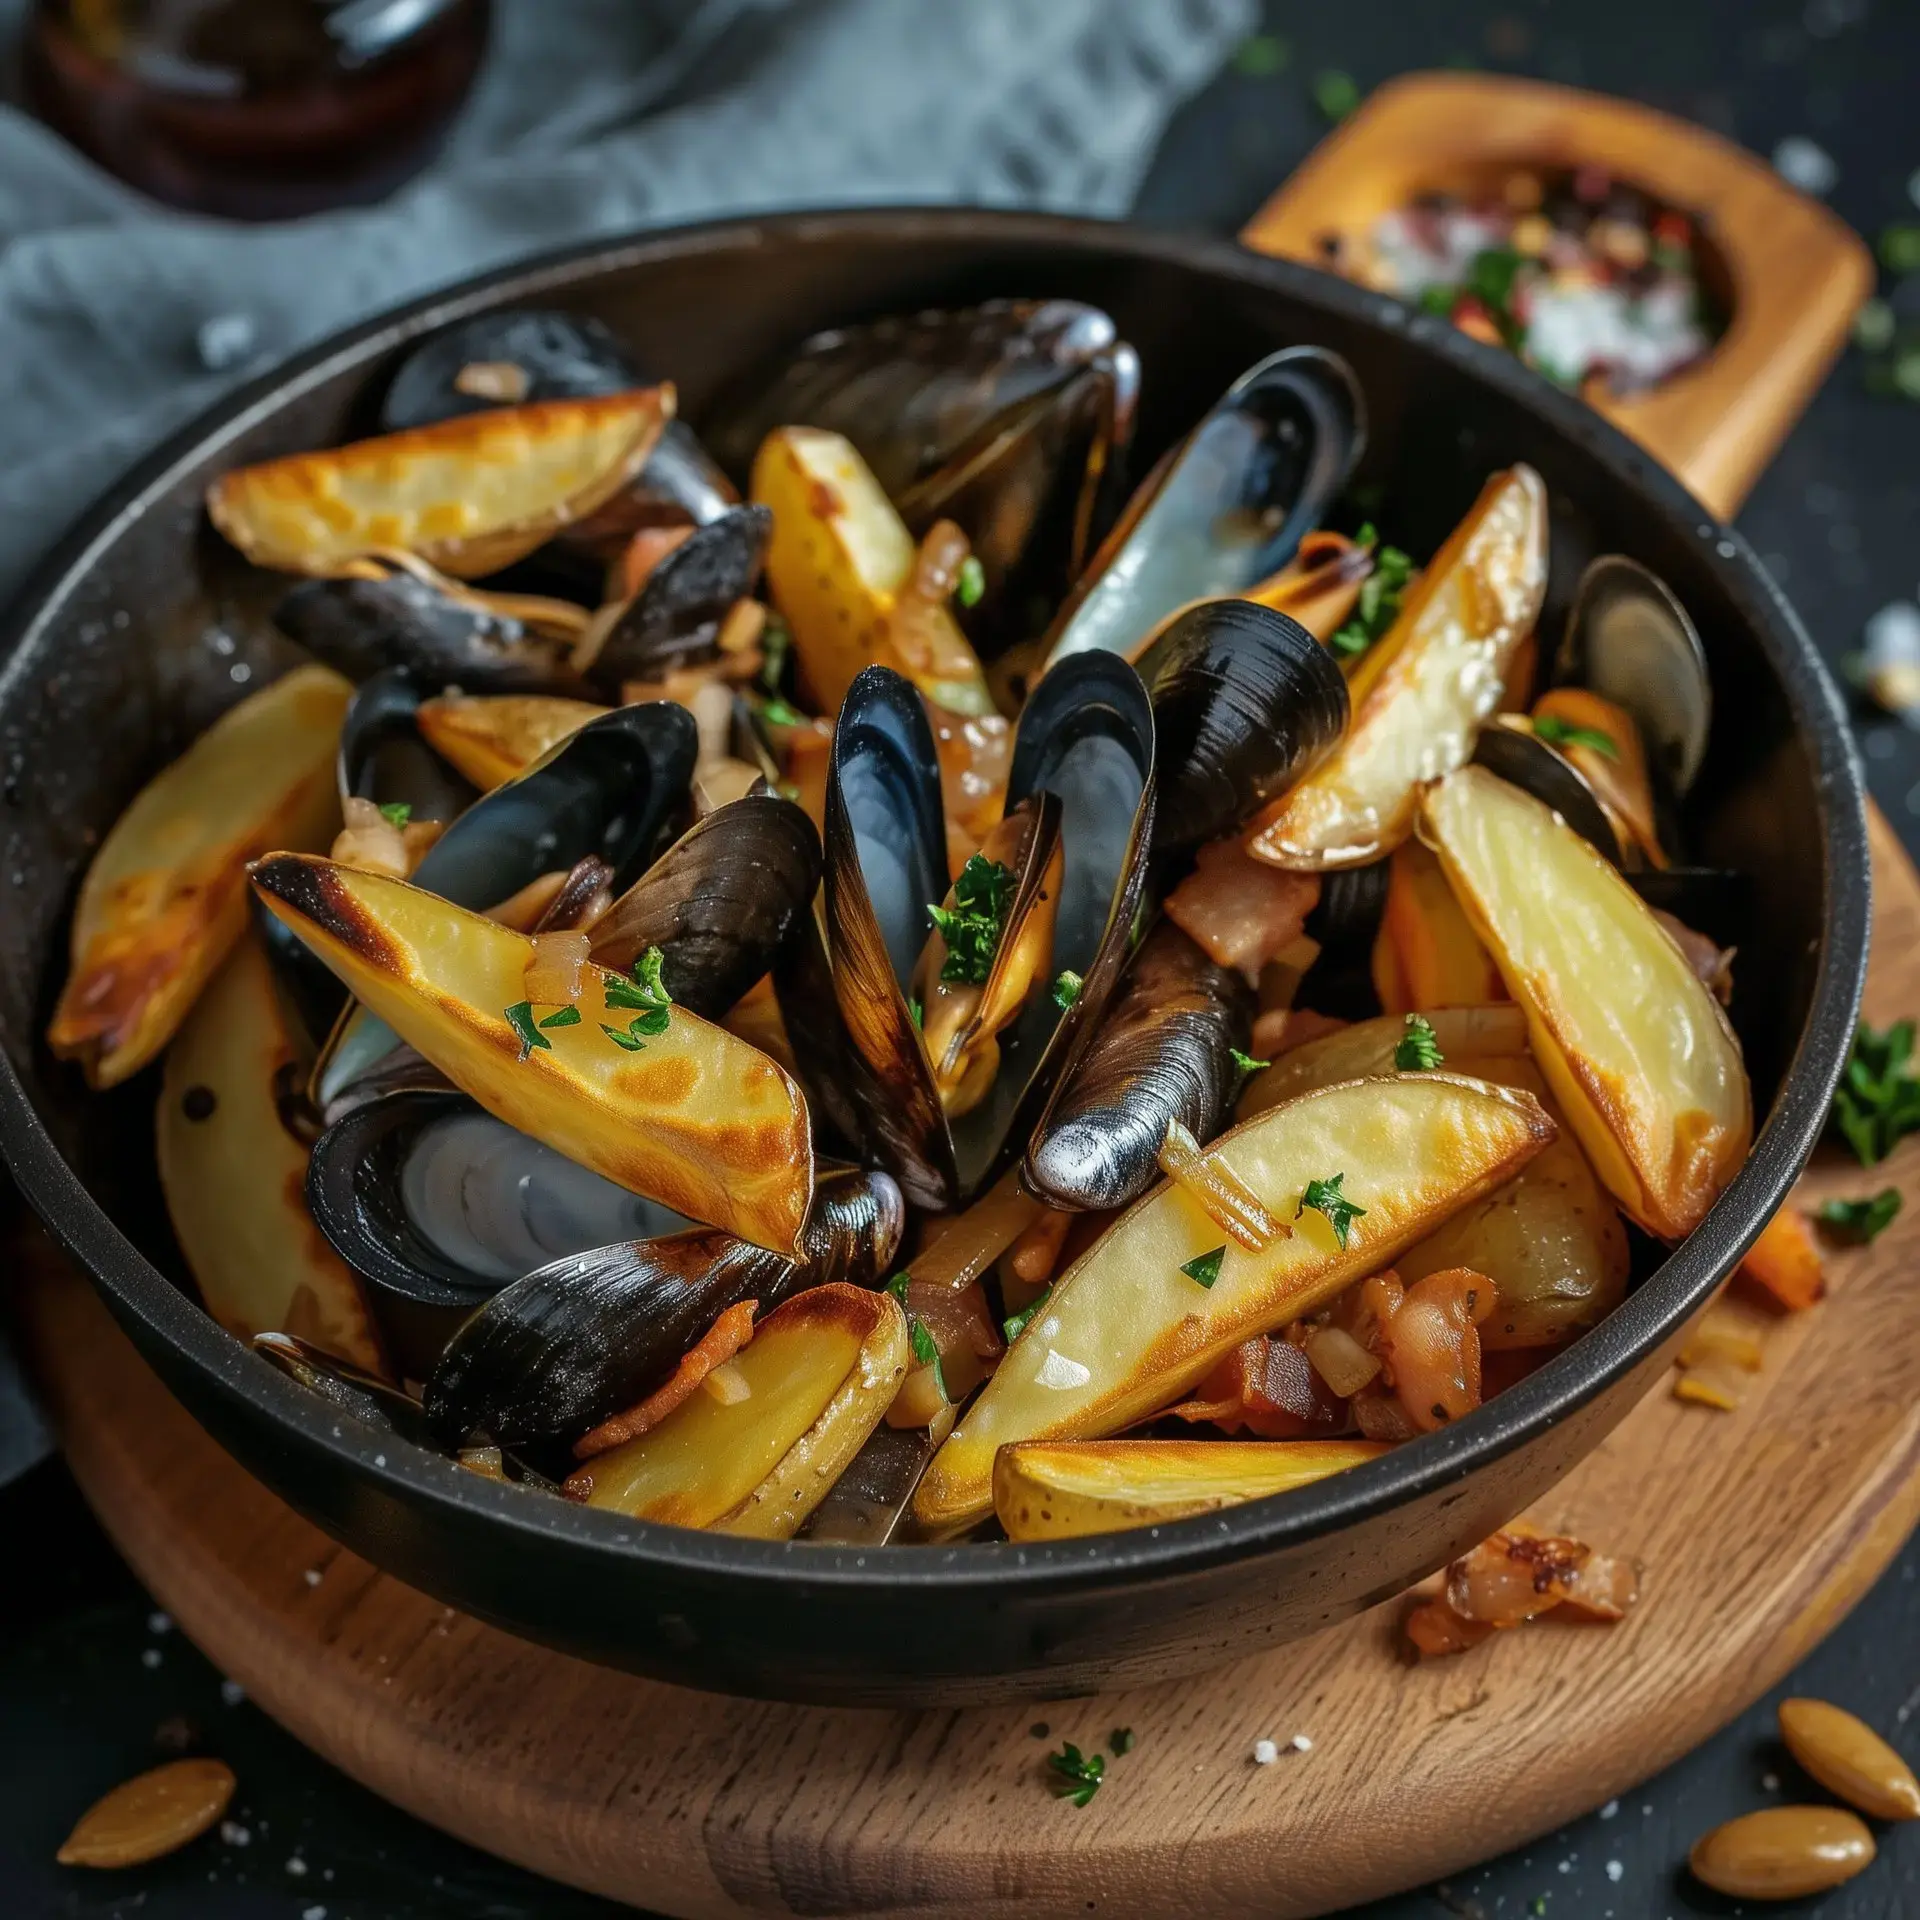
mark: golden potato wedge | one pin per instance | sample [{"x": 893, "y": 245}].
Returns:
[
  {"x": 1420, "y": 695},
  {"x": 234, "y": 1173},
  {"x": 492, "y": 738},
  {"x": 469, "y": 495},
  {"x": 1364, "y": 1050},
  {"x": 841, "y": 568},
  {"x": 819, "y": 1373},
  {"x": 166, "y": 896},
  {"x": 1637, "y": 1051},
  {"x": 1128, "y": 1329},
  {"x": 1426, "y": 954},
  {"x": 1056, "y": 1490},
  {"x": 691, "y": 1116}
]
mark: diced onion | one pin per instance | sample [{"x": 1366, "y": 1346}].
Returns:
[
  {"x": 553, "y": 972},
  {"x": 369, "y": 841},
  {"x": 1340, "y": 1360},
  {"x": 1227, "y": 1200},
  {"x": 728, "y": 1384}
]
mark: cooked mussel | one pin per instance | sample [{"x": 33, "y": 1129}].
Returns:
[
  {"x": 350, "y": 1389},
  {"x": 384, "y": 757},
  {"x": 575, "y": 1342},
  {"x": 1245, "y": 702},
  {"x": 1227, "y": 508},
  {"x": 1163, "y": 1054},
  {"x": 1008, "y": 418},
  {"x": 1519, "y": 756}
]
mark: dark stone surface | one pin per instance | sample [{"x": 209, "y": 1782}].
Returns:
[{"x": 92, "y": 1688}]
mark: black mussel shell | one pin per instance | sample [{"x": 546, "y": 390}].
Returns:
[
  {"x": 360, "y": 627},
  {"x": 720, "y": 904},
  {"x": 868, "y": 1502},
  {"x": 349, "y": 1388},
  {"x": 578, "y": 1341},
  {"x": 584, "y": 895},
  {"x": 1520, "y": 757},
  {"x": 383, "y": 758},
  {"x": 1226, "y": 508},
  {"x": 1347, "y": 916},
  {"x": 1164, "y": 1052},
  {"x": 1716, "y": 901},
  {"x": 1246, "y": 702},
  {"x": 675, "y": 617}
]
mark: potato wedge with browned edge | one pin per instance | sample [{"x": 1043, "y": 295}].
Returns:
[
  {"x": 233, "y": 1173},
  {"x": 1056, "y": 1490},
  {"x": 840, "y": 568},
  {"x": 690, "y": 1116},
  {"x": 468, "y": 495},
  {"x": 818, "y": 1374},
  {"x": 166, "y": 896},
  {"x": 1420, "y": 695},
  {"x": 493, "y": 738},
  {"x": 1129, "y": 1328},
  {"x": 1637, "y": 1051},
  {"x": 1365, "y": 1049}
]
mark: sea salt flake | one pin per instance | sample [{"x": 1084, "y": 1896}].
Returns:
[
  {"x": 1610, "y": 1809},
  {"x": 311, "y": 1576},
  {"x": 158, "y": 1622},
  {"x": 232, "y": 1693},
  {"x": 1803, "y": 163},
  {"x": 233, "y": 1834},
  {"x": 1300, "y": 1743},
  {"x": 1770, "y": 1783},
  {"x": 150, "y": 1657},
  {"x": 1265, "y": 1753},
  {"x": 296, "y": 1866},
  {"x": 1616, "y": 1871}
]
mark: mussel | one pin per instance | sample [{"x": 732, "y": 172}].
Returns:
[
  {"x": 577, "y": 1341},
  {"x": 1011, "y": 418},
  {"x": 383, "y": 757},
  {"x": 1245, "y": 703},
  {"x": 1520, "y": 757},
  {"x": 1225, "y": 509},
  {"x": 350, "y": 1389},
  {"x": 1086, "y": 737},
  {"x": 1163, "y": 1053}
]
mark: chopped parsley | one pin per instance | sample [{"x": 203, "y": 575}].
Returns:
[
  {"x": 1324, "y": 1196},
  {"x": 1418, "y": 1050},
  {"x": 1067, "y": 988},
  {"x": 519, "y": 1017},
  {"x": 1900, "y": 248},
  {"x": 926, "y": 1350},
  {"x": 898, "y": 1285},
  {"x": 1015, "y": 1324},
  {"x": 1246, "y": 1063},
  {"x": 562, "y": 1017},
  {"x": 1858, "y": 1221},
  {"x": 1380, "y": 595},
  {"x": 1205, "y": 1267},
  {"x": 971, "y": 926},
  {"x": 396, "y": 813},
  {"x": 1121, "y": 1740},
  {"x": 916, "y": 1012},
  {"x": 776, "y": 641},
  {"x": 1877, "y": 1102},
  {"x": 972, "y": 583},
  {"x": 1079, "y": 1774},
  {"x": 628, "y": 1037},
  {"x": 1262, "y": 56},
  {"x": 1336, "y": 94},
  {"x": 1563, "y": 733},
  {"x": 647, "y": 992},
  {"x": 780, "y": 713}
]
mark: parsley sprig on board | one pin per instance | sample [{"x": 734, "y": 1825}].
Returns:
[{"x": 1877, "y": 1103}]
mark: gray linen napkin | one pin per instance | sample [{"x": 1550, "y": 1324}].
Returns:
[{"x": 119, "y": 321}]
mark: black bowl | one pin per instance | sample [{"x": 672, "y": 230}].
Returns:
[{"x": 144, "y": 625}]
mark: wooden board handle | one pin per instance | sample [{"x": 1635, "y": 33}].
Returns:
[{"x": 1795, "y": 273}]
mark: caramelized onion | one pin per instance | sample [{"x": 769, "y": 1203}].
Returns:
[{"x": 1221, "y": 1194}]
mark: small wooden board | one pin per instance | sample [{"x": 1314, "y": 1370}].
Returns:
[{"x": 1755, "y": 1530}]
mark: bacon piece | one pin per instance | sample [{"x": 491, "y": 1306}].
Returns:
[
  {"x": 716, "y": 1346},
  {"x": 1242, "y": 911}
]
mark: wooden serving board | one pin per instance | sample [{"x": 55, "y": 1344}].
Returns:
[{"x": 1755, "y": 1531}]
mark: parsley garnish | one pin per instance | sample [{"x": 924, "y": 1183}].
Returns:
[
  {"x": 972, "y": 583},
  {"x": 1563, "y": 733},
  {"x": 776, "y": 638},
  {"x": 916, "y": 1012},
  {"x": 1418, "y": 1050},
  {"x": 1121, "y": 1740},
  {"x": 1858, "y": 1221},
  {"x": 971, "y": 926},
  {"x": 648, "y": 992},
  {"x": 1205, "y": 1267},
  {"x": 519, "y": 1017},
  {"x": 779, "y": 713},
  {"x": 1877, "y": 1102},
  {"x": 1324, "y": 1196},
  {"x": 898, "y": 1285},
  {"x": 1247, "y": 1063},
  {"x": 926, "y": 1350},
  {"x": 562, "y": 1017},
  {"x": 1015, "y": 1324},
  {"x": 629, "y": 1038},
  {"x": 1067, "y": 988},
  {"x": 1380, "y": 595},
  {"x": 1264, "y": 55},
  {"x": 1336, "y": 94},
  {"x": 1079, "y": 1773},
  {"x": 396, "y": 813}
]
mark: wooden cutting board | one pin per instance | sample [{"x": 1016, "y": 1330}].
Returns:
[{"x": 1754, "y": 1530}]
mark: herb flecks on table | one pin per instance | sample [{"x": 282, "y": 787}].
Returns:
[
  {"x": 1858, "y": 1222},
  {"x": 1877, "y": 1103},
  {"x": 1079, "y": 1774}
]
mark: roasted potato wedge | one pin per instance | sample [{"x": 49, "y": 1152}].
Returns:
[
  {"x": 1637, "y": 1051},
  {"x": 166, "y": 896},
  {"x": 492, "y": 738},
  {"x": 1055, "y": 1490},
  {"x": 691, "y": 1116},
  {"x": 1364, "y": 1050},
  {"x": 233, "y": 1173},
  {"x": 469, "y": 495},
  {"x": 1420, "y": 695},
  {"x": 841, "y": 567},
  {"x": 1128, "y": 1329},
  {"x": 1427, "y": 953},
  {"x": 819, "y": 1373}
]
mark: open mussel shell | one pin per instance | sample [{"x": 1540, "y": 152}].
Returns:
[
  {"x": 675, "y": 617},
  {"x": 1246, "y": 702},
  {"x": 1226, "y": 508},
  {"x": 611, "y": 789},
  {"x": 1163, "y": 1052},
  {"x": 1630, "y": 641},
  {"x": 360, "y": 627},
  {"x": 383, "y": 757},
  {"x": 1521, "y": 758},
  {"x": 366, "y": 1396},
  {"x": 1347, "y": 916},
  {"x": 720, "y": 904},
  {"x": 573, "y": 1343}
]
